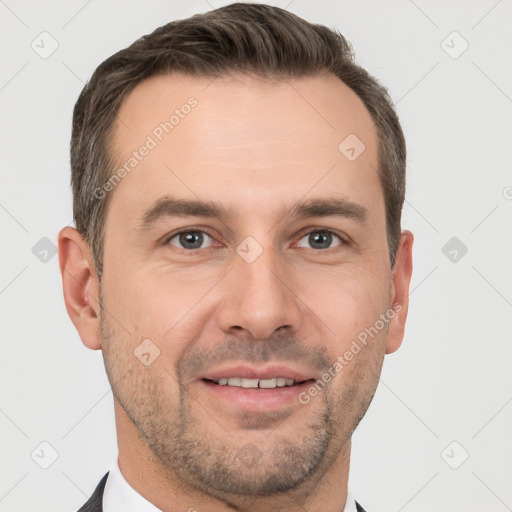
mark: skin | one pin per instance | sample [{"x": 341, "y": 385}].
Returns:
[{"x": 259, "y": 148}]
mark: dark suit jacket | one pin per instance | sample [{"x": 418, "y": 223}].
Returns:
[{"x": 95, "y": 503}]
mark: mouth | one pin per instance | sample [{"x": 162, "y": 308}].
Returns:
[
  {"x": 271, "y": 383},
  {"x": 255, "y": 390}
]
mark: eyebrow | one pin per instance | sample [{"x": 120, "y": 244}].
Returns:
[{"x": 169, "y": 207}]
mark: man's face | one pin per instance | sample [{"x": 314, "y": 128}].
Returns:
[{"x": 270, "y": 290}]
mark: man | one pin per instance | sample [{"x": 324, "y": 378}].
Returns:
[{"x": 238, "y": 257}]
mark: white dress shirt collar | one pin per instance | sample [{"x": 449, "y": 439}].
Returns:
[{"x": 120, "y": 496}]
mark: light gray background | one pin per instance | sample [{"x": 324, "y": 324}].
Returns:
[{"x": 450, "y": 381}]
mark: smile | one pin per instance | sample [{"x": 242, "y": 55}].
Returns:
[{"x": 277, "y": 382}]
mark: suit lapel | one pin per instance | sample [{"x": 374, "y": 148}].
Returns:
[{"x": 95, "y": 503}]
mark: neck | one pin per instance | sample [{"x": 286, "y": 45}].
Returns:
[{"x": 326, "y": 490}]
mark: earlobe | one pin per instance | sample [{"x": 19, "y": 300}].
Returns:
[
  {"x": 401, "y": 280},
  {"x": 80, "y": 286}
]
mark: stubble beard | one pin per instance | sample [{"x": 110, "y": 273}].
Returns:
[{"x": 220, "y": 465}]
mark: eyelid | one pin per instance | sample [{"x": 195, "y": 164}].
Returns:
[
  {"x": 345, "y": 239},
  {"x": 167, "y": 238}
]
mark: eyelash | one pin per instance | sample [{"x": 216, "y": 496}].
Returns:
[{"x": 343, "y": 238}]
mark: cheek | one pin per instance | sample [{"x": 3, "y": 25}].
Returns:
[
  {"x": 167, "y": 308},
  {"x": 347, "y": 303},
  {"x": 349, "y": 306}
]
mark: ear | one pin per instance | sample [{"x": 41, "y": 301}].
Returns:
[
  {"x": 80, "y": 285},
  {"x": 400, "y": 281}
]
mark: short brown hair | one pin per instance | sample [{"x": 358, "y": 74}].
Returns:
[{"x": 248, "y": 38}]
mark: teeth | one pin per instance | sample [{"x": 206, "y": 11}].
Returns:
[
  {"x": 278, "y": 382},
  {"x": 249, "y": 383},
  {"x": 268, "y": 383}
]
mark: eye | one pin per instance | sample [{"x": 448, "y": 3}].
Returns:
[
  {"x": 321, "y": 239},
  {"x": 191, "y": 239}
]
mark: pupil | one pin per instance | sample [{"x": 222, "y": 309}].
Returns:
[
  {"x": 192, "y": 240},
  {"x": 320, "y": 239}
]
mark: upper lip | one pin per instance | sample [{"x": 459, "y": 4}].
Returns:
[{"x": 249, "y": 372}]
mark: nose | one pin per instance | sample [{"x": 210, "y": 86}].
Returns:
[{"x": 259, "y": 297}]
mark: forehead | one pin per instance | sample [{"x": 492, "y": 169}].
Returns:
[{"x": 243, "y": 140}]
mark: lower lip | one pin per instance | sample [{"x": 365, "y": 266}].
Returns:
[{"x": 257, "y": 399}]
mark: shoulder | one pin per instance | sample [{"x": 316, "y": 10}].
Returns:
[{"x": 95, "y": 502}]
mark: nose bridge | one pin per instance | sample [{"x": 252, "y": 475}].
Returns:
[{"x": 258, "y": 297}]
